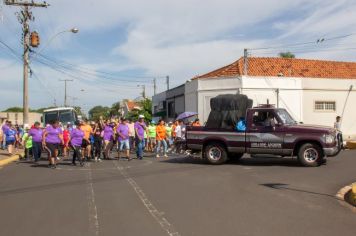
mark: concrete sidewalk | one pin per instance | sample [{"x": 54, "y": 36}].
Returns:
[{"x": 6, "y": 159}]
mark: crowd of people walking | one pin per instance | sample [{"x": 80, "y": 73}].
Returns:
[{"x": 95, "y": 140}]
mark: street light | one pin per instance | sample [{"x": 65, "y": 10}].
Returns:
[{"x": 72, "y": 30}]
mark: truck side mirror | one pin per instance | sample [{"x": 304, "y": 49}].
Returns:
[{"x": 41, "y": 119}]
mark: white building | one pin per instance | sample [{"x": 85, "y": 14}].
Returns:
[{"x": 313, "y": 91}]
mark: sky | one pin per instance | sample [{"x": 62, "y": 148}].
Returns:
[{"x": 123, "y": 45}]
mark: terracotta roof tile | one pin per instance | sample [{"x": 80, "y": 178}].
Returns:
[
  {"x": 132, "y": 105},
  {"x": 286, "y": 67}
]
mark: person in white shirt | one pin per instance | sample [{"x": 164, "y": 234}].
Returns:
[
  {"x": 180, "y": 137},
  {"x": 337, "y": 126}
]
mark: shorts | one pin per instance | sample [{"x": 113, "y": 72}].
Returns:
[
  {"x": 85, "y": 143},
  {"x": 10, "y": 143},
  {"x": 152, "y": 140},
  {"x": 52, "y": 148},
  {"x": 170, "y": 141},
  {"x": 124, "y": 144}
]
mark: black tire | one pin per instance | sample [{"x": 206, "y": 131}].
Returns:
[
  {"x": 235, "y": 156},
  {"x": 215, "y": 153},
  {"x": 310, "y": 155}
]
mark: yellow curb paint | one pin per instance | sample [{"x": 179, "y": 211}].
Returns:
[
  {"x": 353, "y": 193},
  {"x": 351, "y": 144},
  {"x": 9, "y": 160}
]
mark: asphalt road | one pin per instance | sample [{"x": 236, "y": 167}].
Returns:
[{"x": 178, "y": 196}]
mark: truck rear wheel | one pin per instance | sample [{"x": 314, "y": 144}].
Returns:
[
  {"x": 310, "y": 155},
  {"x": 215, "y": 153}
]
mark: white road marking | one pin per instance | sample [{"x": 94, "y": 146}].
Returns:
[
  {"x": 93, "y": 213},
  {"x": 155, "y": 213}
]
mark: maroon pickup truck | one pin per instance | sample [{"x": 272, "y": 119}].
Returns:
[{"x": 268, "y": 130}]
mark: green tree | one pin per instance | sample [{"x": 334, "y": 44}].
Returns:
[
  {"x": 286, "y": 55},
  {"x": 79, "y": 111},
  {"x": 14, "y": 109},
  {"x": 40, "y": 110},
  {"x": 146, "y": 110},
  {"x": 114, "y": 110},
  {"x": 97, "y": 111}
]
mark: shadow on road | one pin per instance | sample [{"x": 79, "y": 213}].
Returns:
[
  {"x": 110, "y": 177},
  {"x": 281, "y": 186},
  {"x": 245, "y": 161}
]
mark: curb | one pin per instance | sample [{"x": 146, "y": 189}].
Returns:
[
  {"x": 351, "y": 144},
  {"x": 347, "y": 196},
  {"x": 10, "y": 159}
]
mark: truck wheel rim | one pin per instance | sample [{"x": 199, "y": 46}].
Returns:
[
  {"x": 215, "y": 153},
  {"x": 311, "y": 155}
]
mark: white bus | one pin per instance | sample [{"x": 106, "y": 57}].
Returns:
[{"x": 64, "y": 115}]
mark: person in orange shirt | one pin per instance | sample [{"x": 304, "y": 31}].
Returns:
[
  {"x": 161, "y": 138},
  {"x": 196, "y": 122},
  {"x": 86, "y": 146}
]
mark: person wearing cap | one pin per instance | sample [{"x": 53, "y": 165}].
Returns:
[
  {"x": 151, "y": 130},
  {"x": 36, "y": 133},
  {"x": 140, "y": 130},
  {"x": 123, "y": 138},
  {"x": 76, "y": 141},
  {"x": 27, "y": 142}
]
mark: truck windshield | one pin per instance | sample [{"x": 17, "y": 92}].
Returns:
[
  {"x": 50, "y": 116},
  {"x": 66, "y": 116},
  {"x": 285, "y": 117}
]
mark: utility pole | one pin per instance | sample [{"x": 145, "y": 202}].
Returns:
[
  {"x": 24, "y": 17},
  {"x": 245, "y": 61},
  {"x": 144, "y": 91},
  {"x": 167, "y": 81},
  {"x": 154, "y": 86},
  {"x": 65, "y": 90}
]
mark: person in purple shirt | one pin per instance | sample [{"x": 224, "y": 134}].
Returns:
[
  {"x": 124, "y": 138},
  {"x": 36, "y": 133},
  {"x": 108, "y": 137},
  {"x": 140, "y": 129},
  {"x": 77, "y": 136},
  {"x": 52, "y": 138},
  {"x": 5, "y": 128}
]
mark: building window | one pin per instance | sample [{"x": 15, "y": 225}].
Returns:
[{"x": 325, "y": 106}]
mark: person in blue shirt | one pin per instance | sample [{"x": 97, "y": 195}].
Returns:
[
  {"x": 241, "y": 125},
  {"x": 11, "y": 137}
]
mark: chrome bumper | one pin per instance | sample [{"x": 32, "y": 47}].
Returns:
[{"x": 331, "y": 151}]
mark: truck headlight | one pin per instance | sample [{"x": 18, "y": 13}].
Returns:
[{"x": 329, "y": 139}]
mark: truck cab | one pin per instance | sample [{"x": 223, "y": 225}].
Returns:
[{"x": 269, "y": 130}]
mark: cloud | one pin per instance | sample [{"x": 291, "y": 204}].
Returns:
[{"x": 180, "y": 38}]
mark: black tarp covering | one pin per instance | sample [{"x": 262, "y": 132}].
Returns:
[{"x": 227, "y": 109}]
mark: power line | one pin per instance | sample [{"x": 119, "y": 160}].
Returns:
[
  {"x": 100, "y": 71},
  {"x": 318, "y": 41}
]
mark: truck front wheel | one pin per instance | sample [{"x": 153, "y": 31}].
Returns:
[
  {"x": 215, "y": 153},
  {"x": 310, "y": 155}
]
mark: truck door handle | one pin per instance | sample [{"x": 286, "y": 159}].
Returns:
[{"x": 253, "y": 129}]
